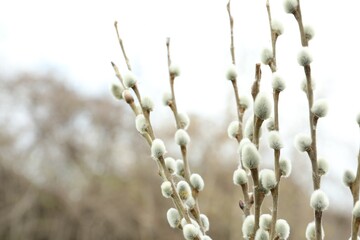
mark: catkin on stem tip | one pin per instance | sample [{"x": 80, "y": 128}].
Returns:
[{"x": 319, "y": 201}]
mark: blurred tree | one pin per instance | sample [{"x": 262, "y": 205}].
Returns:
[{"x": 74, "y": 167}]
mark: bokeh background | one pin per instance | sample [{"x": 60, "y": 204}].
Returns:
[{"x": 72, "y": 165}]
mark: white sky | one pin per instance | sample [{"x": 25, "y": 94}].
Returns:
[{"x": 77, "y": 39}]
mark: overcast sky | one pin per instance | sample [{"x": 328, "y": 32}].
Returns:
[{"x": 77, "y": 39}]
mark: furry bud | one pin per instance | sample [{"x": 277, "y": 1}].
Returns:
[
  {"x": 231, "y": 73},
  {"x": 170, "y": 164},
  {"x": 233, "y": 129},
  {"x": 275, "y": 140},
  {"x": 240, "y": 177},
  {"x": 166, "y": 189},
  {"x": 127, "y": 96},
  {"x": 268, "y": 179},
  {"x": 141, "y": 124},
  {"x": 191, "y": 232},
  {"x": 304, "y": 85},
  {"x": 266, "y": 56},
  {"x": 129, "y": 79},
  {"x": 184, "y": 120},
  {"x": 174, "y": 70},
  {"x": 117, "y": 91},
  {"x": 261, "y": 234},
  {"x": 320, "y": 108},
  {"x": 270, "y": 125},
  {"x": 157, "y": 148},
  {"x": 282, "y": 229},
  {"x": 262, "y": 106},
  {"x": 183, "y": 189},
  {"x": 147, "y": 103},
  {"x": 180, "y": 168},
  {"x": 265, "y": 221},
  {"x": 173, "y": 217},
  {"x": 319, "y": 201},
  {"x": 310, "y": 232},
  {"x": 244, "y": 102},
  {"x": 182, "y": 138},
  {"x": 250, "y": 156},
  {"x": 248, "y": 226},
  {"x": 167, "y": 98},
  {"x": 277, "y": 27},
  {"x": 304, "y": 57},
  {"x": 290, "y": 6},
  {"x": 278, "y": 84},
  {"x": 358, "y": 119},
  {"x": 303, "y": 142},
  {"x": 285, "y": 167},
  {"x": 197, "y": 182},
  {"x": 348, "y": 178},
  {"x": 323, "y": 166},
  {"x": 205, "y": 222},
  {"x": 309, "y": 32},
  {"x": 356, "y": 210}
]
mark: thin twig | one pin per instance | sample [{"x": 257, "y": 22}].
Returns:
[
  {"x": 232, "y": 48},
  {"x": 273, "y": 39},
  {"x": 312, "y": 122},
  {"x": 122, "y": 47}
]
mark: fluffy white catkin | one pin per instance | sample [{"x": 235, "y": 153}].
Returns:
[
  {"x": 129, "y": 79},
  {"x": 304, "y": 57},
  {"x": 356, "y": 210},
  {"x": 262, "y": 106},
  {"x": 265, "y": 221},
  {"x": 240, "y": 177},
  {"x": 278, "y": 83},
  {"x": 157, "y": 148},
  {"x": 233, "y": 129},
  {"x": 303, "y": 142},
  {"x": 174, "y": 70},
  {"x": 268, "y": 179},
  {"x": 231, "y": 73},
  {"x": 248, "y": 226},
  {"x": 173, "y": 217},
  {"x": 285, "y": 167},
  {"x": 323, "y": 166},
  {"x": 250, "y": 156},
  {"x": 184, "y": 120},
  {"x": 310, "y": 232},
  {"x": 170, "y": 164},
  {"x": 261, "y": 234},
  {"x": 348, "y": 178},
  {"x": 141, "y": 124},
  {"x": 197, "y": 182},
  {"x": 277, "y": 27},
  {"x": 205, "y": 222},
  {"x": 290, "y": 5},
  {"x": 282, "y": 229},
  {"x": 166, "y": 189},
  {"x": 319, "y": 201},
  {"x": 266, "y": 56},
  {"x": 320, "y": 108},
  {"x": 183, "y": 189},
  {"x": 147, "y": 103},
  {"x": 182, "y": 138},
  {"x": 275, "y": 141},
  {"x": 190, "y": 232}
]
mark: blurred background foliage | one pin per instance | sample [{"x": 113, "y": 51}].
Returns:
[{"x": 74, "y": 167}]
